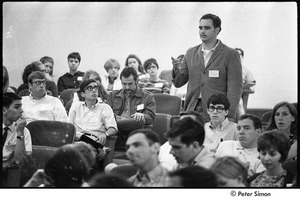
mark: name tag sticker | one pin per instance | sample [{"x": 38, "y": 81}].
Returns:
[
  {"x": 79, "y": 78},
  {"x": 158, "y": 85},
  {"x": 140, "y": 107},
  {"x": 213, "y": 73}
]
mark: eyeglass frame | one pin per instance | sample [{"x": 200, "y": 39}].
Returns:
[
  {"x": 92, "y": 88},
  {"x": 38, "y": 83},
  {"x": 219, "y": 109}
]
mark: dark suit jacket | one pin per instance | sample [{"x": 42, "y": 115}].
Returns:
[{"x": 225, "y": 62}]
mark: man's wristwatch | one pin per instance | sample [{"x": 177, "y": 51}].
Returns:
[{"x": 20, "y": 137}]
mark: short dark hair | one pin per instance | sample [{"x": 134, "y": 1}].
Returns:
[
  {"x": 85, "y": 83},
  {"x": 199, "y": 117},
  {"x": 195, "y": 176},
  {"x": 278, "y": 140},
  {"x": 36, "y": 75},
  {"x": 256, "y": 121},
  {"x": 8, "y": 98},
  {"x": 128, "y": 71},
  {"x": 219, "y": 99},
  {"x": 150, "y": 61},
  {"x": 75, "y": 55},
  {"x": 151, "y": 135},
  {"x": 28, "y": 70},
  {"x": 140, "y": 67},
  {"x": 188, "y": 129},
  {"x": 216, "y": 20}
]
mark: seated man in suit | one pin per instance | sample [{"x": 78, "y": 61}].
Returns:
[
  {"x": 245, "y": 149},
  {"x": 134, "y": 108},
  {"x": 40, "y": 106}
]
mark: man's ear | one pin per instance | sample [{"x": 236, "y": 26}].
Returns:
[
  {"x": 195, "y": 144},
  {"x": 4, "y": 110},
  {"x": 155, "y": 147}
]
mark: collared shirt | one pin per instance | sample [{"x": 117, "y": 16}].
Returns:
[
  {"x": 227, "y": 130},
  {"x": 166, "y": 159},
  {"x": 205, "y": 159},
  {"x": 11, "y": 142},
  {"x": 69, "y": 81},
  {"x": 249, "y": 156},
  {"x": 207, "y": 53},
  {"x": 46, "y": 108},
  {"x": 154, "y": 178},
  {"x": 95, "y": 120},
  {"x": 117, "y": 85}
]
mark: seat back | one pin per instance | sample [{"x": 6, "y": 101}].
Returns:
[
  {"x": 161, "y": 124},
  {"x": 51, "y": 133},
  {"x": 168, "y": 104},
  {"x": 111, "y": 143},
  {"x": 66, "y": 95},
  {"x": 124, "y": 170},
  {"x": 68, "y": 105},
  {"x": 37, "y": 160}
]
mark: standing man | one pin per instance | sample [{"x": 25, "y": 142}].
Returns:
[
  {"x": 16, "y": 139},
  {"x": 209, "y": 68},
  {"x": 73, "y": 78},
  {"x": 134, "y": 108},
  {"x": 142, "y": 151}
]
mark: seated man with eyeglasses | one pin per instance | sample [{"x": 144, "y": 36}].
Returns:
[
  {"x": 219, "y": 128},
  {"x": 40, "y": 106}
]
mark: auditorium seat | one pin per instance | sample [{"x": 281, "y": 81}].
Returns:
[
  {"x": 66, "y": 95},
  {"x": 161, "y": 124},
  {"x": 51, "y": 133}
]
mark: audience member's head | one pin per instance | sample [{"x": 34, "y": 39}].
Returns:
[
  {"x": 103, "y": 180},
  {"x": 12, "y": 108},
  {"x": 284, "y": 118},
  {"x": 37, "y": 84},
  {"x": 66, "y": 168},
  {"x": 195, "y": 115},
  {"x": 249, "y": 128},
  {"x": 192, "y": 177},
  {"x": 217, "y": 108},
  {"x": 142, "y": 148},
  {"x": 74, "y": 60},
  {"x": 129, "y": 79},
  {"x": 112, "y": 67},
  {"x": 28, "y": 70},
  {"x": 48, "y": 63},
  {"x": 215, "y": 19},
  {"x": 89, "y": 89},
  {"x": 134, "y": 61},
  {"x": 87, "y": 151},
  {"x": 230, "y": 172},
  {"x": 276, "y": 144},
  {"x": 151, "y": 63},
  {"x": 186, "y": 137}
]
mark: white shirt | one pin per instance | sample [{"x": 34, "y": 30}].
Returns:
[
  {"x": 117, "y": 82},
  {"x": 227, "y": 130},
  {"x": 11, "y": 142},
  {"x": 166, "y": 159},
  {"x": 247, "y": 156},
  {"x": 46, "y": 108},
  {"x": 95, "y": 120}
]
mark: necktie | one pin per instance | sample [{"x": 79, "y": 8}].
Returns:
[{"x": 4, "y": 136}]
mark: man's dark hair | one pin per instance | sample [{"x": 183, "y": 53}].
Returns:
[
  {"x": 150, "y": 61},
  {"x": 151, "y": 135},
  {"x": 189, "y": 130},
  {"x": 36, "y": 75},
  {"x": 256, "y": 121},
  {"x": 216, "y": 20},
  {"x": 128, "y": 71},
  {"x": 219, "y": 99},
  {"x": 85, "y": 83},
  {"x": 8, "y": 98},
  {"x": 75, "y": 55}
]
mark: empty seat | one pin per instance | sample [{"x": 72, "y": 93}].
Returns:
[
  {"x": 161, "y": 124},
  {"x": 66, "y": 95},
  {"x": 51, "y": 133},
  {"x": 168, "y": 104}
]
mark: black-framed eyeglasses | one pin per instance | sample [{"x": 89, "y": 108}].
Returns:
[
  {"x": 218, "y": 108},
  {"x": 38, "y": 83},
  {"x": 91, "y": 88}
]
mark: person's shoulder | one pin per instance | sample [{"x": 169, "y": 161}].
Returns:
[
  {"x": 66, "y": 74},
  {"x": 194, "y": 48},
  {"x": 80, "y": 73}
]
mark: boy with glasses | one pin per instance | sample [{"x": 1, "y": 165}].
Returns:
[
  {"x": 40, "y": 106},
  {"x": 219, "y": 128}
]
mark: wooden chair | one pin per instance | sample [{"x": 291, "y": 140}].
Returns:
[
  {"x": 66, "y": 95},
  {"x": 161, "y": 124},
  {"x": 51, "y": 133},
  {"x": 37, "y": 160}
]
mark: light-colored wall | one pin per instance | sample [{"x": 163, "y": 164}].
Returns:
[{"x": 266, "y": 31}]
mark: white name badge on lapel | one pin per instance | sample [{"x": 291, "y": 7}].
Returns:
[
  {"x": 213, "y": 73},
  {"x": 158, "y": 85},
  {"x": 140, "y": 107},
  {"x": 79, "y": 78}
]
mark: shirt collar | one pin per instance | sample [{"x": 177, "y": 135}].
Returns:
[
  {"x": 220, "y": 126},
  {"x": 151, "y": 174},
  {"x": 213, "y": 49},
  {"x": 31, "y": 97},
  {"x": 94, "y": 106}
]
